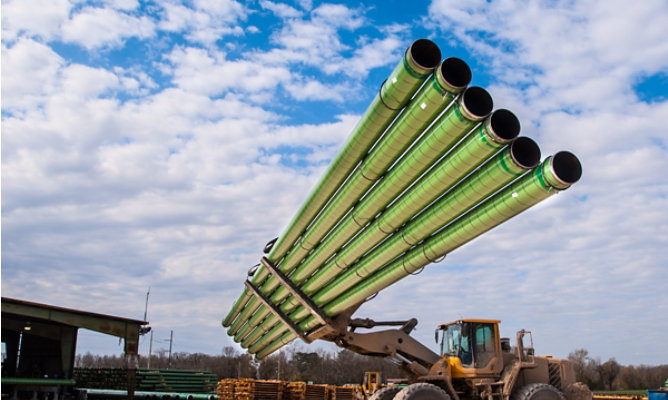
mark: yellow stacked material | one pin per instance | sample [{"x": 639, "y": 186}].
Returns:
[
  {"x": 251, "y": 389},
  {"x": 316, "y": 392},
  {"x": 225, "y": 389},
  {"x": 269, "y": 390},
  {"x": 331, "y": 392},
  {"x": 295, "y": 391},
  {"x": 243, "y": 389},
  {"x": 345, "y": 393}
]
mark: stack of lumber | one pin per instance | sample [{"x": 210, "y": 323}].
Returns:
[
  {"x": 345, "y": 393},
  {"x": 225, "y": 389},
  {"x": 251, "y": 389},
  {"x": 306, "y": 391}
]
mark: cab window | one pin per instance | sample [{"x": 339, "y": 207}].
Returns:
[{"x": 471, "y": 342}]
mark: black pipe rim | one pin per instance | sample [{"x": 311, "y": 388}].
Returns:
[
  {"x": 505, "y": 124},
  {"x": 425, "y": 53},
  {"x": 567, "y": 167},
  {"x": 456, "y": 72},
  {"x": 525, "y": 152},
  {"x": 477, "y": 101}
]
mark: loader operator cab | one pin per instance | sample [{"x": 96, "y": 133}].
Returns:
[{"x": 471, "y": 346}]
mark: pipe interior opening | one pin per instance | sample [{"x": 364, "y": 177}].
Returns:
[
  {"x": 456, "y": 72},
  {"x": 567, "y": 167},
  {"x": 525, "y": 152},
  {"x": 505, "y": 124},
  {"x": 425, "y": 53},
  {"x": 478, "y": 101}
]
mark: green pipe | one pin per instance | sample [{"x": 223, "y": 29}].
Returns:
[
  {"x": 450, "y": 78},
  {"x": 553, "y": 175},
  {"x": 418, "y": 62},
  {"x": 259, "y": 330},
  {"x": 556, "y": 173},
  {"x": 499, "y": 129},
  {"x": 123, "y": 394},
  {"x": 284, "y": 340},
  {"x": 522, "y": 155},
  {"x": 473, "y": 105}
]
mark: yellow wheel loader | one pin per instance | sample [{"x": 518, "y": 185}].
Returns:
[{"x": 474, "y": 361}]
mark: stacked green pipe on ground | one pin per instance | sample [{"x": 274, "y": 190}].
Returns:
[
  {"x": 474, "y": 104},
  {"x": 554, "y": 174},
  {"x": 418, "y": 62},
  {"x": 452, "y": 76}
]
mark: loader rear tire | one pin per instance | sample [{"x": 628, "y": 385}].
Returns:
[
  {"x": 422, "y": 391},
  {"x": 538, "y": 391},
  {"x": 386, "y": 393}
]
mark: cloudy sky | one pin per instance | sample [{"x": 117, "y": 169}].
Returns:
[{"x": 162, "y": 144}]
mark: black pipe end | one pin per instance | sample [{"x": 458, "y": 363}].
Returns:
[
  {"x": 478, "y": 101},
  {"x": 567, "y": 167},
  {"x": 505, "y": 124},
  {"x": 456, "y": 72},
  {"x": 525, "y": 152},
  {"x": 425, "y": 53}
]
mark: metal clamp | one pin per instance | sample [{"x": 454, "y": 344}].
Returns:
[{"x": 303, "y": 299}]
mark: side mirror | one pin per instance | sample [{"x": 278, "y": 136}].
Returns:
[{"x": 436, "y": 336}]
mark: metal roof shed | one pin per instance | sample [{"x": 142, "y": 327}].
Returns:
[{"x": 40, "y": 342}]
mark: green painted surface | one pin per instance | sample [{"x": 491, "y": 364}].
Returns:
[
  {"x": 406, "y": 78},
  {"x": 434, "y": 97},
  {"x": 532, "y": 188}
]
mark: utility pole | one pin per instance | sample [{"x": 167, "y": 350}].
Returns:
[
  {"x": 171, "y": 339},
  {"x": 146, "y": 307},
  {"x": 150, "y": 350}
]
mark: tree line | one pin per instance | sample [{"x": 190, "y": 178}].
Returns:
[
  {"x": 347, "y": 367},
  {"x": 610, "y": 375}
]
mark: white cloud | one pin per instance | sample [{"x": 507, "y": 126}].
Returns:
[
  {"x": 43, "y": 18},
  {"x": 376, "y": 53},
  {"x": 29, "y": 72},
  {"x": 208, "y": 72},
  {"x": 204, "y": 23},
  {"x": 314, "y": 90},
  {"x": 281, "y": 10},
  {"x": 99, "y": 27}
]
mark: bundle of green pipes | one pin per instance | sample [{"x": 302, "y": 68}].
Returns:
[{"x": 428, "y": 168}]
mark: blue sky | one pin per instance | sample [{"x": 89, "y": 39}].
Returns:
[{"x": 163, "y": 143}]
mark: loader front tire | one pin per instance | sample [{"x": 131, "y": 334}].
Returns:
[
  {"x": 538, "y": 391},
  {"x": 422, "y": 391},
  {"x": 385, "y": 393}
]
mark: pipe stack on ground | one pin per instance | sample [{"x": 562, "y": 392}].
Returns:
[{"x": 428, "y": 168}]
